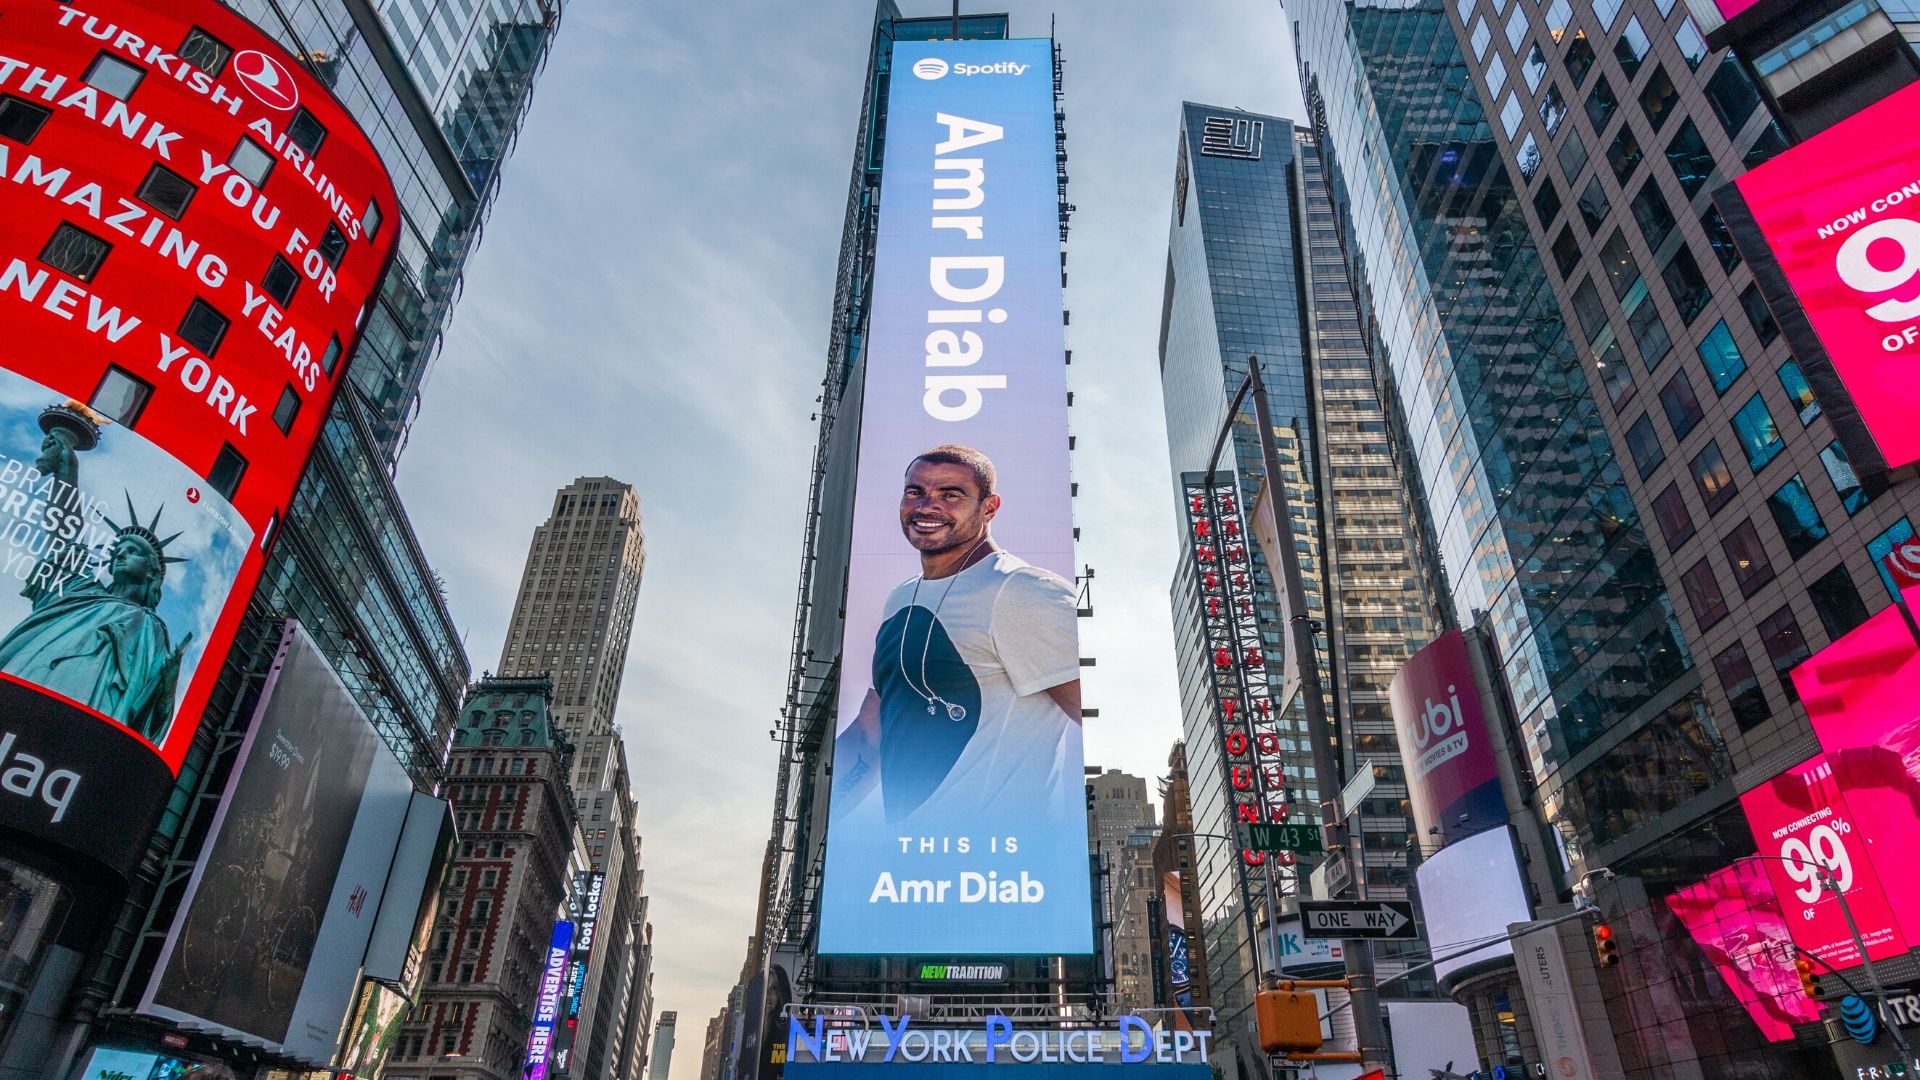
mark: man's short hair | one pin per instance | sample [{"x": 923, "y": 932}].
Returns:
[{"x": 955, "y": 454}]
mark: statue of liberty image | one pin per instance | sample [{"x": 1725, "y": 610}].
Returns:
[{"x": 100, "y": 644}]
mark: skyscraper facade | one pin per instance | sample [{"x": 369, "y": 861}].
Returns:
[
  {"x": 662, "y": 1058},
  {"x": 1254, "y": 271},
  {"x": 1116, "y": 806},
  {"x": 573, "y": 620},
  {"x": 489, "y": 950},
  {"x": 1635, "y": 491}
]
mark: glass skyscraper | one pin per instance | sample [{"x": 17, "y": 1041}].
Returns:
[
  {"x": 1632, "y": 486},
  {"x": 1255, "y": 269}
]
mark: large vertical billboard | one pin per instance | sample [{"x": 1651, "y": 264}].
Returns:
[
  {"x": 1453, "y": 779},
  {"x": 1470, "y": 891},
  {"x": 957, "y": 823},
  {"x": 546, "y": 1005},
  {"x": 1735, "y": 917},
  {"x": 192, "y": 234},
  {"x": 270, "y": 938},
  {"x": 1840, "y": 214}
]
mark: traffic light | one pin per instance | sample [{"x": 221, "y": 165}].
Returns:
[
  {"x": 1809, "y": 985},
  {"x": 1289, "y": 1021},
  {"x": 1605, "y": 950}
]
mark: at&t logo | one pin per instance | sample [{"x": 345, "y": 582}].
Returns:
[
  {"x": 930, "y": 67},
  {"x": 270, "y": 83}
]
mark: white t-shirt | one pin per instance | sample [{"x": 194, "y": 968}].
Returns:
[{"x": 1004, "y": 633}]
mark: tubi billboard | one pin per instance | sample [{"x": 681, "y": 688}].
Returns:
[
  {"x": 957, "y": 825},
  {"x": 1453, "y": 780},
  {"x": 194, "y": 230}
]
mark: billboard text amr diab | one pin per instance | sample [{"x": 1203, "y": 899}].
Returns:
[
  {"x": 958, "y": 823},
  {"x": 193, "y": 233}
]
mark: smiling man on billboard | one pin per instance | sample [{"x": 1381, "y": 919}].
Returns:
[{"x": 973, "y": 692}]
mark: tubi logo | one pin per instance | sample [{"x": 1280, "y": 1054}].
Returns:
[
  {"x": 931, "y": 67},
  {"x": 1436, "y": 720},
  {"x": 268, "y": 80}
]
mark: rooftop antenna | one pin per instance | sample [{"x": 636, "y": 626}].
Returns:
[{"x": 956, "y": 20}]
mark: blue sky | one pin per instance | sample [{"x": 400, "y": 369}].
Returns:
[{"x": 651, "y": 301}]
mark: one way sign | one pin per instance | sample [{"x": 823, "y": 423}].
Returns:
[{"x": 1357, "y": 919}]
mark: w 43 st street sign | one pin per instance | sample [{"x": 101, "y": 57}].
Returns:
[
  {"x": 1384, "y": 920},
  {"x": 1300, "y": 839}
]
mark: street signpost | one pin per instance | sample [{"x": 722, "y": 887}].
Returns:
[
  {"x": 1299, "y": 839},
  {"x": 1360, "y": 920},
  {"x": 1357, "y": 789}
]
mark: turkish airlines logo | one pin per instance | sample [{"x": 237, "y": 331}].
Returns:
[
  {"x": 931, "y": 67},
  {"x": 267, "y": 79},
  {"x": 1903, "y": 562}
]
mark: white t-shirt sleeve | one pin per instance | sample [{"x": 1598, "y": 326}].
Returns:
[{"x": 1035, "y": 631}]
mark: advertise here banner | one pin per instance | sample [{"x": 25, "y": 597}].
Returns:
[
  {"x": 191, "y": 240},
  {"x": 958, "y": 823},
  {"x": 1841, "y": 215},
  {"x": 546, "y": 1007},
  {"x": 1453, "y": 781}
]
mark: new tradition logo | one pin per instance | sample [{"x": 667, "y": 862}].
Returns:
[
  {"x": 267, "y": 79},
  {"x": 931, "y": 67}
]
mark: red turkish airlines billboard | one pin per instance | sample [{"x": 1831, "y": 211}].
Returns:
[
  {"x": 1840, "y": 214},
  {"x": 193, "y": 230}
]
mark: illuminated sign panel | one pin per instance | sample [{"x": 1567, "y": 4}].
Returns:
[
  {"x": 958, "y": 824},
  {"x": 1841, "y": 215},
  {"x": 192, "y": 235},
  {"x": 1735, "y": 917},
  {"x": 546, "y": 1007},
  {"x": 1452, "y": 779}
]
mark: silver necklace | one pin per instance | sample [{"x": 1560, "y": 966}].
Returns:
[{"x": 955, "y": 712}]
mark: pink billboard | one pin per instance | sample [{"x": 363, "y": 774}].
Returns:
[
  {"x": 1735, "y": 917},
  {"x": 1801, "y": 821},
  {"x": 1841, "y": 213},
  {"x": 1729, "y": 8},
  {"x": 1862, "y": 694},
  {"x": 1452, "y": 780}
]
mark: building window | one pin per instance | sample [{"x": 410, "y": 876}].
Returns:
[
  {"x": 1601, "y": 105},
  {"x": 1613, "y": 372},
  {"x": 1757, "y": 314},
  {"x": 1854, "y": 493},
  {"x": 203, "y": 328},
  {"x": 113, "y": 76},
  {"x": 1703, "y": 594},
  {"x": 1632, "y": 47},
  {"x": 1681, "y": 404},
  {"x": 1480, "y": 38},
  {"x": 1586, "y": 306},
  {"x": 280, "y": 281},
  {"x": 1749, "y": 702},
  {"x": 1496, "y": 76},
  {"x": 1893, "y": 545},
  {"x": 120, "y": 397},
  {"x": 252, "y": 161},
  {"x": 228, "y": 468},
  {"x": 1606, "y": 11},
  {"x": 1566, "y": 256},
  {"x": 1837, "y": 603},
  {"x": 205, "y": 52},
  {"x": 21, "y": 120},
  {"x": 1693, "y": 47},
  {"x": 1786, "y": 646},
  {"x": 306, "y": 132},
  {"x": 1649, "y": 329},
  {"x": 1594, "y": 205},
  {"x": 1644, "y": 446},
  {"x": 1732, "y": 96},
  {"x": 1771, "y": 142},
  {"x": 1688, "y": 155},
  {"x": 1573, "y": 156},
  {"x": 166, "y": 191},
  {"x": 1721, "y": 357},
  {"x": 1799, "y": 392},
  {"x": 1658, "y": 98},
  {"x": 1625, "y": 154},
  {"x": 1686, "y": 285},
  {"x": 1751, "y": 568},
  {"x": 287, "y": 410},
  {"x": 1580, "y": 61},
  {"x": 1758, "y": 433},
  {"x": 1720, "y": 239},
  {"x": 333, "y": 245},
  {"x": 1797, "y": 517},
  {"x": 1534, "y": 68},
  {"x": 1616, "y": 259},
  {"x": 1670, "y": 510},
  {"x": 330, "y": 358},
  {"x": 1517, "y": 29},
  {"x": 1651, "y": 211},
  {"x": 1511, "y": 112},
  {"x": 75, "y": 252},
  {"x": 1529, "y": 157},
  {"x": 1546, "y": 202}
]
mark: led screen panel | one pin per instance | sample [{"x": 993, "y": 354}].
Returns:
[
  {"x": 1453, "y": 782},
  {"x": 546, "y": 1006},
  {"x": 1800, "y": 819},
  {"x": 191, "y": 238},
  {"x": 1735, "y": 917},
  {"x": 958, "y": 825},
  {"x": 1471, "y": 891},
  {"x": 1841, "y": 215},
  {"x": 269, "y": 941}
]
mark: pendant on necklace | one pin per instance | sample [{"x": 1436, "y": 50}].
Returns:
[{"x": 929, "y": 708}]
